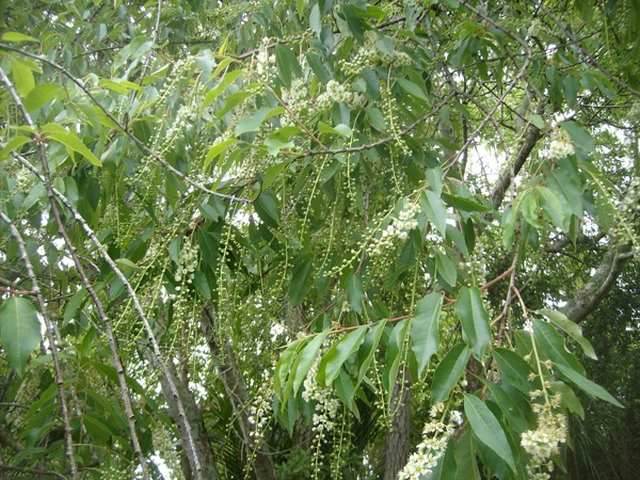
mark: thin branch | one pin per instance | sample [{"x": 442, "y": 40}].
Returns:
[
  {"x": 50, "y": 332},
  {"x": 139, "y": 144},
  {"x": 117, "y": 362}
]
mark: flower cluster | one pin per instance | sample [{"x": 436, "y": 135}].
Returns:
[
  {"x": 544, "y": 442},
  {"x": 265, "y": 63},
  {"x": 365, "y": 57},
  {"x": 326, "y": 406},
  {"x": 561, "y": 145},
  {"x": 187, "y": 263},
  {"x": 436, "y": 434},
  {"x": 296, "y": 100},
  {"x": 339, "y": 93},
  {"x": 258, "y": 418},
  {"x": 398, "y": 228}
]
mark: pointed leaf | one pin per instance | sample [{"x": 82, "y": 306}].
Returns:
[
  {"x": 339, "y": 353},
  {"x": 587, "y": 385},
  {"x": 424, "y": 329},
  {"x": 449, "y": 372},
  {"x": 572, "y": 329},
  {"x": 475, "y": 320},
  {"x": 19, "y": 330}
]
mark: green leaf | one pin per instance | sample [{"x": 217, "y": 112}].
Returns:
[
  {"x": 513, "y": 368},
  {"x": 434, "y": 209},
  {"x": 582, "y": 139},
  {"x": 475, "y": 320},
  {"x": 299, "y": 280},
  {"x": 120, "y": 86},
  {"x": 487, "y": 429},
  {"x": 424, "y": 329},
  {"x": 42, "y": 94},
  {"x": 449, "y": 372},
  {"x": 283, "y": 367},
  {"x": 554, "y": 208},
  {"x": 17, "y": 37},
  {"x": 19, "y": 331},
  {"x": 71, "y": 141},
  {"x": 412, "y": 89},
  {"x": 446, "y": 269},
  {"x": 252, "y": 122},
  {"x": 572, "y": 329},
  {"x": 288, "y": 65},
  {"x": 12, "y": 145},
  {"x": 552, "y": 346},
  {"x": 434, "y": 177},
  {"x": 332, "y": 361},
  {"x": 355, "y": 295},
  {"x": 267, "y": 208},
  {"x": 22, "y": 77},
  {"x": 368, "y": 350},
  {"x": 306, "y": 358},
  {"x": 222, "y": 85},
  {"x": 465, "y": 204},
  {"x": 218, "y": 149},
  {"x": 587, "y": 385},
  {"x": 315, "y": 19},
  {"x": 394, "y": 355}
]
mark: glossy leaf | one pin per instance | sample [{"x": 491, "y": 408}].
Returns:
[{"x": 424, "y": 329}]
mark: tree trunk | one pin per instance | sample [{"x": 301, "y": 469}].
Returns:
[
  {"x": 397, "y": 439},
  {"x": 237, "y": 392},
  {"x": 196, "y": 424}
]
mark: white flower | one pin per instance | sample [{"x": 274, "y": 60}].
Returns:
[{"x": 561, "y": 145}]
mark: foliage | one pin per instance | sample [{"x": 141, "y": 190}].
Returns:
[{"x": 315, "y": 239}]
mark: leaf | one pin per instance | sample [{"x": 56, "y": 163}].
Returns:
[
  {"x": 587, "y": 385},
  {"x": 434, "y": 209},
  {"x": 475, "y": 320},
  {"x": 71, "y": 141},
  {"x": 487, "y": 429},
  {"x": 355, "y": 295},
  {"x": 218, "y": 149},
  {"x": 514, "y": 369},
  {"x": 42, "y": 94},
  {"x": 14, "y": 144},
  {"x": 412, "y": 89},
  {"x": 332, "y": 361},
  {"x": 19, "y": 331},
  {"x": 424, "y": 329},
  {"x": 299, "y": 280},
  {"x": 434, "y": 177},
  {"x": 252, "y": 122},
  {"x": 315, "y": 19},
  {"x": 222, "y": 85},
  {"x": 551, "y": 344},
  {"x": 22, "y": 77},
  {"x": 449, "y": 372},
  {"x": 267, "y": 208},
  {"x": 554, "y": 208},
  {"x": 465, "y": 204},
  {"x": 572, "y": 329},
  {"x": 283, "y": 366},
  {"x": 582, "y": 139},
  {"x": 17, "y": 37},
  {"x": 368, "y": 350},
  {"x": 119, "y": 86},
  {"x": 446, "y": 269},
  {"x": 306, "y": 358},
  {"x": 288, "y": 65},
  {"x": 394, "y": 355}
]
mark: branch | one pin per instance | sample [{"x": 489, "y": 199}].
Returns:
[
  {"x": 32, "y": 471},
  {"x": 588, "y": 297},
  {"x": 51, "y": 337},
  {"x": 139, "y": 144},
  {"x": 113, "y": 344}
]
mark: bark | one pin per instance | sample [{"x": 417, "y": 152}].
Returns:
[
  {"x": 396, "y": 441},
  {"x": 194, "y": 426},
  {"x": 603, "y": 279},
  {"x": 237, "y": 392}
]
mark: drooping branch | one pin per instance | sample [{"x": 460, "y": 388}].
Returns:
[
  {"x": 197, "y": 466},
  {"x": 591, "y": 294},
  {"x": 51, "y": 337},
  {"x": 104, "y": 319}
]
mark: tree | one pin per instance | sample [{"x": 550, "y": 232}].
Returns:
[{"x": 313, "y": 239}]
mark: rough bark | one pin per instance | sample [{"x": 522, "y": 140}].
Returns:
[
  {"x": 237, "y": 392},
  {"x": 603, "y": 279},
  {"x": 193, "y": 416},
  {"x": 396, "y": 441}
]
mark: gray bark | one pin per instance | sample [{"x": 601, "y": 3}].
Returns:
[{"x": 396, "y": 441}]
